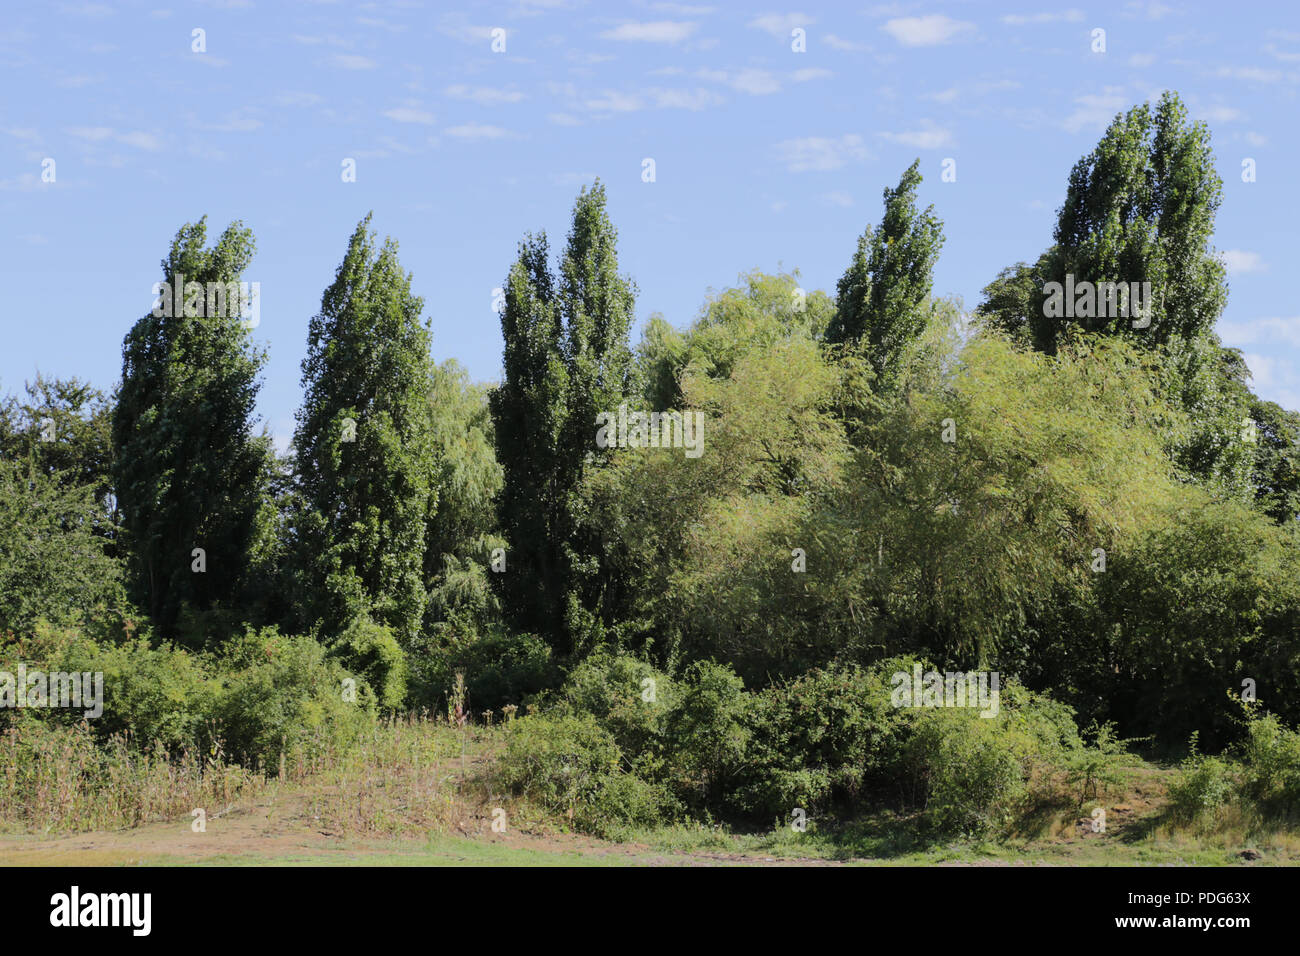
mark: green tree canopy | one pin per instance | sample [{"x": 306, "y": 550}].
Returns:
[
  {"x": 188, "y": 470},
  {"x": 365, "y": 459}
]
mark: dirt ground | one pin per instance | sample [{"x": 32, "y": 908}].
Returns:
[{"x": 281, "y": 831}]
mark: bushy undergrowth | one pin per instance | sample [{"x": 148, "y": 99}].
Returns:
[
  {"x": 1260, "y": 777},
  {"x": 56, "y": 777},
  {"x": 262, "y": 696},
  {"x": 624, "y": 743}
]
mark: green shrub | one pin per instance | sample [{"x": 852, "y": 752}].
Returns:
[
  {"x": 500, "y": 667},
  {"x": 630, "y": 699},
  {"x": 371, "y": 653},
  {"x": 826, "y": 736},
  {"x": 972, "y": 769},
  {"x": 569, "y": 765},
  {"x": 281, "y": 694},
  {"x": 1271, "y": 766},
  {"x": 1202, "y": 787},
  {"x": 1098, "y": 768},
  {"x": 707, "y": 733},
  {"x": 154, "y": 695}
]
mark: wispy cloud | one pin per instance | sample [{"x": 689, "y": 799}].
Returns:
[
  {"x": 1058, "y": 16},
  {"x": 929, "y": 136},
  {"x": 353, "y": 61},
  {"x": 658, "y": 31},
  {"x": 1095, "y": 111},
  {"x": 751, "y": 81},
  {"x": 458, "y": 27},
  {"x": 483, "y": 95},
  {"x": 477, "y": 131},
  {"x": 99, "y": 134},
  {"x": 780, "y": 25},
  {"x": 820, "y": 153},
  {"x": 932, "y": 30},
  {"x": 839, "y": 43},
  {"x": 409, "y": 114},
  {"x": 1270, "y": 331},
  {"x": 1242, "y": 261}
]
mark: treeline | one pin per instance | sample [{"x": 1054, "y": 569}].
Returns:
[{"x": 1092, "y": 502}]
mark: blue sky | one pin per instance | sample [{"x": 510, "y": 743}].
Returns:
[{"x": 764, "y": 157}]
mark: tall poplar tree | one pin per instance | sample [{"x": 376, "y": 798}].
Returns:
[
  {"x": 1140, "y": 208},
  {"x": 190, "y": 475},
  {"x": 364, "y": 446},
  {"x": 566, "y": 359},
  {"x": 883, "y": 297}
]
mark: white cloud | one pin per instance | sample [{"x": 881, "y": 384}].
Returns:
[
  {"x": 658, "y": 31},
  {"x": 1151, "y": 9},
  {"x": 1270, "y": 331},
  {"x": 841, "y": 199},
  {"x": 295, "y": 98},
  {"x": 931, "y": 30},
  {"x": 1219, "y": 114},
  {"x": 685, "y": 99},
  {"x": 780, "y": 24},
  {"x": 1095, "y": 111},
  {"x": 820, "y": 153},
  {"x": 457, "y": 27},
  {"x": 91, "y": 10},
  {"x": 483, "y": 95},
  {"x": 477, "y": 131},
  {"x": 839, "y": 43},
  {"x": 99, "y": 134},
  {"x": 758, "y": 82},
  {"x": 751, "y": 81},
  {"x": 77, "y": 81},
  {"x": 407, "y": 114},
  {"x": 1242, "y": 261},
  {"x": 93, "y": 133},
  {"x": 564, "y": 119},
  {"x": 930, "y": 136},
  {"x": 330, "y": 39},
  {"x": 25, "y": 182},
  {"x": 353, "y": 61},
  {"x": 1140, "y": 60},
  {"x": 951, "y": 94},
  {"x": 1252, "y": 73},
  {"x": 611, "y": 101},
  {"x": 1061, "y": 16},
  {"x": 682, "y": 9}
]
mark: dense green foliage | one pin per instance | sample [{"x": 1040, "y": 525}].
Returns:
[
  {"x": 1100, "y": 513},
  {"x": 188, "y": 472},
  {"x": 882, "y": 299},
  {"x": 364, "y": 446},
  {"x": 566, "y": 359}
]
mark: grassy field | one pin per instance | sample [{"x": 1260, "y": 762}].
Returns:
[{"x": 417, "y": 794}]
